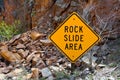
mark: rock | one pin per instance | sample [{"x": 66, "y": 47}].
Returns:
[
  {"x": 2, "y": 76},
  {"x": 35, "y": 59},
  {"x": 51, "y": 60},
  {"x": 46, "y": 42},
  {"x": 60, "y": 61},
  {"x": 86, "y": 59},
  {"x": 2, "y": 64},
  {"x": 15, "y": 72},
  {"x": 50, "y": 78},
  {"x": 111, "y": 78},
  {"x": 23, "y": 53},
  {"x": 48, "y": 62},
  {"x": 46, "y": 72},
  {"x": 41, "y": 64},
  {"x": 18, "y": 71},
  {"x": 2, "y": 44},
  {"x": 14, "y": 38},
  {"x": 1, "y": 69},
  {"x": 54, "y": 68},
  {"x": 18, "y": 57},
  {"x": 29, "y": 76},
  {"x": 79, "y": 79},
  {"x": 24, "y": 39},
  {"x": 7, "y": 55},
  {"x": 20, "y": 46},
  {"x": 29, "y": 58},
  {"x": 14, "y": 78},
  {"x": 35, "y": 35},
  {"x": 99, "y": 66},
  {"x": 35, "y": 73},
  {"x": 7, "y": 70}
]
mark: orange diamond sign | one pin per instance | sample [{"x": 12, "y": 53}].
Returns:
[{"x": 74, "y": 37}]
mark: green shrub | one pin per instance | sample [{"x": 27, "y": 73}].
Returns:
[{"x": 8, "y": 31}]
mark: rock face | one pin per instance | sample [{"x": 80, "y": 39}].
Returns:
[
  {"x": 17, "y": 10},
  {"x": 41, "y": 7},
  {"x": 104, "y": 16}
]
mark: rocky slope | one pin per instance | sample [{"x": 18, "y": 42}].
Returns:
[{"x": 32, "y": 54}]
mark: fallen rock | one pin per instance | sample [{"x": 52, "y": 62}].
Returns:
[
  {"x": 29, "y": 58},
  {"x": 15, "y": 72},
  {"x": 41, "y": 64},
  {"x": 46, "y": 72},
  {"x": 51, "y": 60},
  {"x": 35, "y": 59},
  {"x": 100, "y": 66},
  {"x": 35, "y": 73},
  {"x": 46, "y": 42},
  {"x": 23, "y": 53},
  {"x": 36, "y": 35},
  {"x": 7, "y": 70},
  {"x": 50, "y": 78},
  {"x": 2, "y": 76},
  {"x": 14, "y": 38},
  {"x": 9, "y": 56},
  {"x": 20, "y": 46},
  {"x": 17, "y": 56},
  {"x": 29, "y": 76}
]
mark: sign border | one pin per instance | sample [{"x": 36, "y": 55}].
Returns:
[{"x": 74, "y": 13}]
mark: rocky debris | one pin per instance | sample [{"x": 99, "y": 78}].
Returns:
[
  {"x": 35, "y": 35},
  {"x": 46, "y": 42},
  {"x": 2, "y": 76},
  {"x": 37, "y": 56},
  {"x": 8, "y": 55},
  {"x": 6, "y": 70},
  {"x": 35, "y": 73},
  {"x": 46, "y": 72},
  {"x": 103, "y": 73},
  {"x": 25, "y": 47},
  {"x": 34, "y": 53},
  {"x": 28, "y": 76}
]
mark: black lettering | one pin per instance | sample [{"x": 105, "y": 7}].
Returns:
[
  {"x": 80, "y": 47},
  {"x": 70, "y": 37},
  {"x": 70, "y": 46},
  {"x": 71, "y": 29},
  {"x": 76, "y": 37},
  {"x": 81, "y": 38},
  {"x": 75, "y": 29},
  {"x": 75, "y": 46},
  {"x": 65, "y": 38},
  {"x": 73, "y": 37},
  {"x": 80, "y": 29},
  {"x": 66, "y": 29},
  {"x": 66, "y": 46}
]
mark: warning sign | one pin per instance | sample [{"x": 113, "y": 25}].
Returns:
[{"x": 74, "y": 37}]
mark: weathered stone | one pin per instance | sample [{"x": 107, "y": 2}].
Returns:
[
  {"x": 46, "y": 42},
  {"x": 20, "y": 46},
  {"x": 35, "y": 73},
  {"x": 36, "y": 35},
  {"x": 2, "y": 76},
  {"x": 7, "y": 55},
  {"x": 46, "y": 72}
]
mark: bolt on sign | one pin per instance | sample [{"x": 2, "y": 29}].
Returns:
[{"x": 74, "y": 37}]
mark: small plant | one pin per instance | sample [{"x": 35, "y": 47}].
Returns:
[
  {"x": 8, "y": 31},
  {"x": 61, "y": 75}
]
